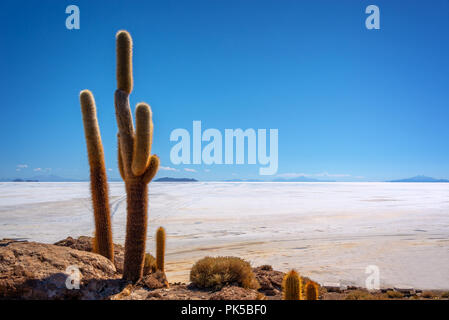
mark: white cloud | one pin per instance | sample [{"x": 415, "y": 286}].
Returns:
[
  {"x": 206, "y": 170},
  {"x": 109, "y": 169},
  {"x": 167, "y": 168},
  {"x": 42, "y": 170},
  {"x": 189, "y": 170},
  {"x": 21, "y": 166}
]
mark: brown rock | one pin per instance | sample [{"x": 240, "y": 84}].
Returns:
[
  {"x": 154, "y": 280},
  {"x": 30, "y": 270},
  {"x": 235, "y": 293},
  {"x": 332, "y": 287},
  {"x": 272, "y": 293},
  {"x": 270, "y": 280},
  {"x": 84, "y": 243}
]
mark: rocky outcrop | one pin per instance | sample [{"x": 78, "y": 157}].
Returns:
[
  {"x": 236, "y": 293},
  {"x": 30, "y": 270},
  {"x": 270, "y": 281},
  {"x": 84, "y": 243}
]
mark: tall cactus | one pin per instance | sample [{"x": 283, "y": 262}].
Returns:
[
  {"x": 160, "y": 248},
  {"x": 291, "y": 286},
  {"x": 102, "y": 243},
  {"x": 136, "y": 164}
]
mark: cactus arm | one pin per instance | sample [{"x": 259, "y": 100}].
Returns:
[
  {"x": 98, "y": 180},
  {"x": 124, "y": 47},
  {"x": 126, "y": 129},
  {"x": 142, "y": 139},
  {"x": 120, "y": 161},
  {"x": 152, "y": 169}
]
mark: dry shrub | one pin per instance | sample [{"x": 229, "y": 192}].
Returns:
[
  {"x": 394, "y": 294},
  {"x": 149, "y": 265},
  {"x": 216, "y": 272},
  {"x": 266, "y": 267},
  {"x": 361, "y": 295},
  {"x": 427, "y": 294}
]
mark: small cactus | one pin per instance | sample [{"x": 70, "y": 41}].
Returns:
[
  {"x": 102, "y": 243},
  {"x": 160, "y": 248},
  {"x": 291, "y": 286},
  {"x": 311, "y": 290}
]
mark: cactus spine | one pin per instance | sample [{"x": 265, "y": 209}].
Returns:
[
  {"x": 311, "y": 290},
  {"x": 102, "y": 243},
  {"x": 160, "y": 248},
  {"x": 291, "y": 286},
  {"x": 136, "y": 164}
]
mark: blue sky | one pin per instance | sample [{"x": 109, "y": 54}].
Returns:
[{"x": 349, "y": 103}]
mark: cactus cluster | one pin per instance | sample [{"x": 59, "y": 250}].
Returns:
[
  {"x": 136, "y": 165},
  {"x": 292, "y": 288}
]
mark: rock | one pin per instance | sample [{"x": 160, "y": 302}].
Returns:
[
  {"x": 153, "y": 294},
  {"x": 235, "y": 293},
  {"x": 333, "y": 287},
  {"x": 154, "y": 280},
  {"x": 30, "y": 270},
  {"x": 84, "y": 243},
  {"x": 123, "y": 294},
  {"x": 270, "y": 280},
  {"x": 272, "y": 293},
  {"x": 405, "y": 290}
]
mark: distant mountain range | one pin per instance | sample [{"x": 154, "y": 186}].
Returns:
[
  {"x": 243, "y": 180},
  {"x": 168, "y": 179},
  {"x": 42, "y": 178},
  {"x": 420, "y": 179}
]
